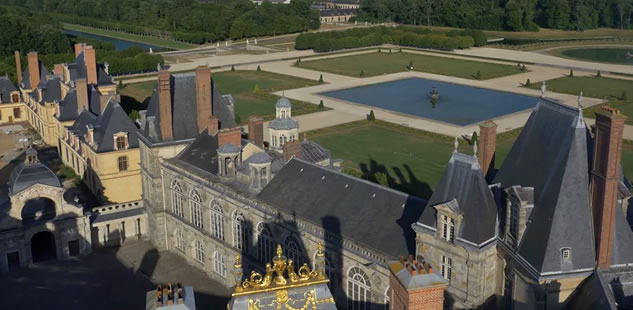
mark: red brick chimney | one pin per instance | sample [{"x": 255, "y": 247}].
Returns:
[
  {"x": 91, "y": 64},
  {"x": 256, "y": 130},
  {"x": 34, "y": 69},
  {"x": 230, "y": 135},
  {"x": 58, "y": 69},
  {"x": 204, "y": 100},
  {"x": 487, "y": 146},
  {"x": 605, "y": 180},
  {"x": 403, "y": 295},
  {"x": 82, "y": 95},
  {"x": 213, "y": 126},
  {"x": 78, "y": 48},
  {"x": 292, "y": 149},
  {"x": 18, "y": 66},
  {"x": 164, "y": 105}
]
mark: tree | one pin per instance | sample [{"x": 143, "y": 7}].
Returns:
[
  {"x": 232, "y": 67},
  {"x": 298, "y": 62},
  {"x": 478, "y": 76},
  {"x": 527, "y": 83},
  {"x": 571, "y": 73},
  {"x": 381, "y": 178},
  {"x": 371, "y": 116},
  {"x": 362, "y": 73},
  {"x": 598, "y": 74},
  {"x": 256, "y": 89},
  {"x": 238, "y": 120},
  {"x": 321, "y": 79},
  {"x": 259, "y": 68},
  {"x": 624, "y": 97},
  {"x": 410, "y": 67},
  {"x": 321, "y": 106},
  {"x": 513, "y": 16}
]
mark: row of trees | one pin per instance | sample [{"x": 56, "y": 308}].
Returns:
[
  {"x": 514, "y": 15},
  {"x": 186, "y": 20},
  {"x": 404, "y": 36}
]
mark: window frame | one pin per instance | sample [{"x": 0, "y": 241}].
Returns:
[
  {"x": 195, "y": 209},
  {"x": 122, "y": 160}
]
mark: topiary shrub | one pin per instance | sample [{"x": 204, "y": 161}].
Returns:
[
  {"x": 598, "y": 74},
  {"x": 321, "y": 106},
  {"x": 259, "y": 68},
  {"x": 371, "y": 116},
  {"x": 232, "y": 68},
  {"x": 571, "y": 73},
  {"x": 256, "y": 88},
  {"x": 362, "y": 73},
  {"x": 527, "y": 83},
  {"x": 321, "y": 79}
]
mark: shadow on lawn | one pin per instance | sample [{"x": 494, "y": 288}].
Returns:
[{"x": 405, "y": 183}]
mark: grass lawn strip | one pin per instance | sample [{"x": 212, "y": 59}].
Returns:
[{"x": 130, "y": 37}]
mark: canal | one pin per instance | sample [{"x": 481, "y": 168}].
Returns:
[{"x": 119, "y": 44}]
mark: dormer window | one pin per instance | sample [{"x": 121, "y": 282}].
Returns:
[
  {"x": 120, "y": 141},
  {"x": 15, "y": 98},
  {"x": 448, "y": 228},
  {"x": 566, "y": 254}
]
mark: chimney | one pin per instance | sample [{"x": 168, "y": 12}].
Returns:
[
  {"x": 82, "y": 95},
  {"x": 91, "y": 64},
  {"x": 212, "y": 125},
  {"x": 487, "y": 146},
  {"x": 18, "y": 66},
  {"x": 34, "y": 69},
  {"x": 78, "y": 48},
  {"x": 406, "y": 292},
  {"x": 204, "y": 98},
  {"x": 58, "y": 69},
  {"x": 292, "y": 149},
  {"x": 230, "y": 135},
  {"x": 605, "y": 180},
  {"x": 164, "y": 105},
  {"x": 256, "y": 130}
]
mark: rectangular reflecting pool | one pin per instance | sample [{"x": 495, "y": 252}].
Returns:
[{"x": 457, "y": 104}]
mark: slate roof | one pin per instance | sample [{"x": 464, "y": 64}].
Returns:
[
  {"x": 283, "y": 102},
  {"x": 313, "y": 192},
  {"x": 622, "y": 239},
  {"x": 338, "y": 12},
  {"x": 552, "y": 154},
  {"x": 24, "y": 176},
  {"x": 202, "y": 153},
  {"x": 313, "y": 152},
  {"x": 52, "y": 90},
  {"x": 68, "y": 106},
  {"x": 99, "y": 218},
  {"x": 6, "y": 87},
  {"x": 78, "y": 70},
  {"x": 184, "y": 109},
  {"x": 94, "y": 100},
  {"x": 113, "y": 120},
  {"x": 26, "y": 79},
  {"x": 84, "y": 118},
  {"x": 464, "y": 186},
  {"x": 283, "y": 124},
  {"x": 593, "y": 294}
]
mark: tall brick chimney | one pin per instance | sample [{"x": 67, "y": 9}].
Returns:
[
  {"x": 82, "y": 95},
  {"x": 487, "y": 146},
  {"x": 164, "y": 105},
  {"x": 78, "y": 48},
  {"x": 18, "y": 66},
  {"x": 414, "y": 285},
  {"x": 90, "y": 59},
  {"x": 34, "y": 69},
  {"x": 230, "y": 135},
  {"x": 605, "y": 180},
  {"x": 58, "y": 69},
  {"x": 256, "y": 130},
  {"x": 204, "y": 100},
  {"x": 292, "y": 149}
]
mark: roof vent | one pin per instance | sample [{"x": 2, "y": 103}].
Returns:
[
  {"x": 301, "y": 170},
  {"x": 323, "y": 178},
  {"x": 373, "y": 195},
  {"x": 346, "y": 185}
]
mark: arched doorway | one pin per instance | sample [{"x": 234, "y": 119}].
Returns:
[{"x": 43, "y": 246}]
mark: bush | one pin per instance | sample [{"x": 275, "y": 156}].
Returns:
[
  {"x": 523, "y": 68},
  {"x": 298, "y": 62},
  {"x": 321, "y": 106},
  {"x": 371, "y": 116},
  {"x": 259, "y": 68},
  {"x": 478, "y": 75},
  {"x": 527, "y": 83},
  {"x": 362, "y": 73},
  {"x": 256, "y": 88},
  {"x": 571, "y": 73},
  {"x": 321, "y": 79},
  {"x": 598, "y": 74},
  {"x": 479, "y": 37},
  {"x": 238, "y": 119},
  {"x": 624, "y": 97},
  {"x": 232, "y": 67},
  {"x": 353, "y": 172},
  {"x": 381, "y": 178}
]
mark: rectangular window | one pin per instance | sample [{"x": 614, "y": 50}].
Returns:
[
  {"x": 120, "y": 143},
  {"x": 448, "y": 228},
  {"x": 447, "y": 266},
  {"x": 73, "y": 248},
  {"x": 17, "y": 113},
  {"x": 122, "y": 163}
]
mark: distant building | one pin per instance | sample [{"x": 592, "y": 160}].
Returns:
[
  {"x": 336, "y": 4},
  {"x": 259, "y": 2},
  {"x": 12, "y": 107},
  {"x": 329, "y": 16}
]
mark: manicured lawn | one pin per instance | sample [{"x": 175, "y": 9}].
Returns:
[
  {"x": 596, "y": 87},
  {"x": 384, "y": 63},
  {"x": 130, "y": 37},
  {"x": 413, "y": 159},
  {"x": 241, "y": 84}
]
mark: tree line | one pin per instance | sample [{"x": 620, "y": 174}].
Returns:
[
  {"x": 403, "y": 36},
  {"x": 513, "y": 15},
  {"x": 185, "y": 20}
]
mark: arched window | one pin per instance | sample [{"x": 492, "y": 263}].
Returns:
[
  {"x": 274, "y": 140},
  {"x": 240, "y": 232},
  {"x": 196, "y": 210},
  {"x": 219, "y": 265},
  {"x": 293, "y": 250},
  {"x": 180, "y": 240},
  {"x": 176, "y": 198},
  {"x": 265, "y": 244},
  {"x": 358, "y": 289},
  {"x": 387, "y": 298},
  {"x": 199, "y": 251},
  {"x": 217, "y": 221}
]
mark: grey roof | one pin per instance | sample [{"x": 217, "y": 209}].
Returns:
[
  {"x": 113, "y": 120},
  {"x": 420, "y": 280},
  {"x": 6, "y": 87},
  {"x": 283, "y": 124},
  {"x": 52, "y": 90},
  {"x": 296, "y": 298},
  {"x": 229, "y": 148},
  {"x": 622, "y": 239},
  {"x": 24, "y": 176},
  {"x": 26, "y": 79},
  {"x": 315, "y": 193},
  {"x": 283, "y": 102},
  {"x": 464, "y": 186},
  {"x": 593, "y": 294},
  {"x": 184, "y": 109},
  {"x": 94, "y": 100},
  {"x": 99, "y": 218},
  {"x": 260, "y": 158},
  {"x": 552, "y": 155},
  {"x": 313, "y": 152},
  {"x": 79, "y": 126},
  {"x": 102, "y": 77},
  {"x": 202, "y": 153},
  {"x": 338, "y": 12},
  {"x": 68, "y": 106}
]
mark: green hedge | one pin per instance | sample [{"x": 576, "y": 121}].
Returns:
[{"x": 404, "y": 36}]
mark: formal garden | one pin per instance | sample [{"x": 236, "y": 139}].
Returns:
[
  {"x": 250, "y": 89},
  {"x": 392, "y": 61},
  {"x": 407, "y": 159}
]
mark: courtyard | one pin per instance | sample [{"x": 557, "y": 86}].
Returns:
[
  {"x": 109, "y": 278},
  {"x": 373, "y": 64}
]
